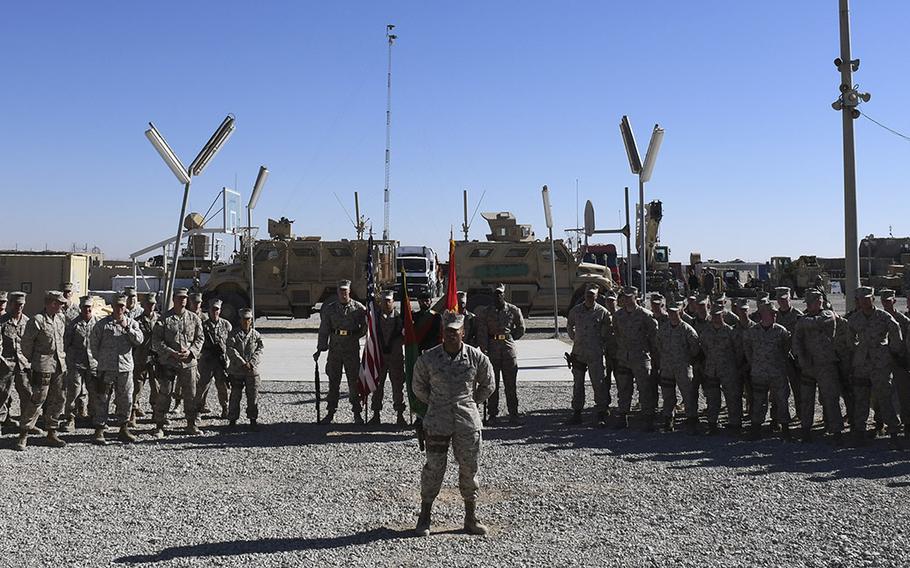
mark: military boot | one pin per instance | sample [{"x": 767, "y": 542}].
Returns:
[
  {"x": 329, "y": 416},
  {"x": 692, "y": 426},
  {"x": 21, "y": 442},
  {"x": 158, "y": 433},
  {"x": 358, "y": 417},
  {"x": 126, "y": 436},
  {"x": 575, "y": 420},
  {"x": 375, "y": 420},
  {"x": 785, "y": 434},
  {"x": 98, "y": 438},
  {"x": 138, "y": 413},
  {"x": 423, "y": 521},
  {"x": 192, "y": 429},
  {"x": 666, "y": 424},
  {"x": 400, "y": 421},
  {"x": 69, "y": 425},
  {"x": 53, "y": 440},
  {"x": 254, "y": 425},
  {"x": 805, "y": 435},
  {"x": 471, "y": 526},
  {"x": 224, "y": 412},
  {"x": 132, "y": 421}
]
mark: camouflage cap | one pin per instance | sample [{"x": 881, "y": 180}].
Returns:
[
  {"x": 629, "y": 291},
  {"x": 592, "y": 288},
  {"x": 181, "y": 293},
  {"x": 216, "y": 304},
  {"x": 54, "y": 296},
  {"x": 196, "y": 297},
  {"x": 388, "y": 295},
  {"x": 452, "y": 320},
  {"x": 344, "y": 284},
  {"x": 461, "y": 294},
  {"x": 701, "y": 300},
  {"x": 782, "y": 292},
  {"x": 864, "y": 292},
  {"x": 119, "y": 300},
  {"x": 500, "y": 288},
  {"x": 610, "y": 294},
  {"x": 887, "y": 294},
  {"x": 657, "y": 298},
  {"x": 812, "y": 295},
  {"x": 67, "y": 286},
  {"x": 761, "y": 295},
  {"x": 741, "y": 303},
  {"x": 86, "y": 301},
  {"x": 246, "y": 314},
  {"x": 674, "y": 306},
  {"x": 129, "y": 291},
  {"x": 17, "y": 297},
  {"x": 717, "y": 310},
  {"x": 719, "y": 297},
  {"x": 151, "y": 298},
  {"x": 765, "y": 304}
]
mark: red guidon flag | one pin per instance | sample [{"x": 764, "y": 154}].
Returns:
[
  {"x": 371, "y": 361},
  {"x": 452, "y": 287}
]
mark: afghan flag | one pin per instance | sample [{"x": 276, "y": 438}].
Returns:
[
  {"x": 452, "y": 284},
  {"x": 411, "y": 348}
]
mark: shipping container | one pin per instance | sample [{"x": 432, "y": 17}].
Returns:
[{"x": 36, "y": 272}]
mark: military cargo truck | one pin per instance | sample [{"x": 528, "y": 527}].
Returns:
[
  {"x": 513, "y": 257},
  {"x": 293, "y": 275},
  {"x": 797, "y": 274}
]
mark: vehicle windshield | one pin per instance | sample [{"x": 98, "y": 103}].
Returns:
[{"x": 412, "y": 264}]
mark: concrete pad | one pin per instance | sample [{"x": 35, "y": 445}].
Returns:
[{"x": 290, "y": 358}]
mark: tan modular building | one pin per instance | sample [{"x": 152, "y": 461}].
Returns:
[{"x": 34, "y": 272}]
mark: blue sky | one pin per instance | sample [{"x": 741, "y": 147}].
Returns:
[{"x": 500, "y": 97}]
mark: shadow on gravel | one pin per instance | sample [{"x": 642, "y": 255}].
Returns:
[
  {"x": 264, "y": 546},
  {"x": 819, "y": 460}
]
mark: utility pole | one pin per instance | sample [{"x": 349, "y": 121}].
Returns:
[
  {"x": 390, "y": 37},
  {"x": 465, "y": 226},
  {"x": 847, "y": 102}
]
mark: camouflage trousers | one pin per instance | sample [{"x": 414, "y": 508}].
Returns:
[
  {"x": 239, "y": 383},
  {"x": 672, "y": 379},
  {"x": 505, "y": 366},
  {"x": 393, "y": 367},
  {"x": 901, "y": 380},
  {"x": 120, "y": 384},
  {"x": 76, "y": 385},
  {"x": 145, "y": 374},
  {"x": 595, "y": 370},
  {"x": 875, "y": 387},
  {"x": 466, "y": 449},
  {"x": 7, "y": 381},
  {"x": 731, "y": 385},
  {"x": 779, "y": 391},
  {"x": 210, "y": 370},
  {"x": 186, "y": 378},
  {"x": 824, "y": 379},
  {"x": 627, "y": 379},
  {"x": 349, "y": 362},
  {"x": 37, "y": 390}
]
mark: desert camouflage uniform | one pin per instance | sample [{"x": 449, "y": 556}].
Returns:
[
  {"x": 173, "y": 333},
  {"x": 42, "y": 345},
  {"x": 213, "y": 363},
  {"x": 844, "y": 345},
  {"x": 340, "y": 331},
  {"x": 899, "y": 368},
  {"x": 112, "y": 347},
  {"x": 145, "y": 361},
  {"x": 720, "y": 347},
  {"x": 470, "y": 327},
  {"x": 391, "y": 341},
  {"x": 742, "y": 365},
  {"x": 878, "y": 336},
  {"x": 497, "y": 331},
  {"x": 452, "y": 388},
  {"x": 13, "y": 364},
  {"x": 244, "y": 347},
  {"x": 636, "y": 333},
  {"x": 814, "y": 347},
  {"x": 767, "y": 351},
  {"x": 80, "y": 366},
  {"x": 677, "y": 346},
  {"x": 71, "y": 311},
  {"x": 660, "y": 318},
  {"x": 589, "y": 329},
  {"x": 788, "y": 320}
]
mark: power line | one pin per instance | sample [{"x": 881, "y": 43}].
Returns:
[{"x": 889, "y": 129}]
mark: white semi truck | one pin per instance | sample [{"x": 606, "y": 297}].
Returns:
[{"x": 421, "y": 268}]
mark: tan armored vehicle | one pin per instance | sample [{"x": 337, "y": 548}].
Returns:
[
  {"x": 799, "y": 274},
  {"x": 512, "y": 256},
  {"x": 293, "y": 275}
]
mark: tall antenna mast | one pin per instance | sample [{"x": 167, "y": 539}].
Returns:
[{"x": 390, "y": 37}]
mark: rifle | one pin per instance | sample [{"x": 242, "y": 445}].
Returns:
[{"x": 318, "y": 394}]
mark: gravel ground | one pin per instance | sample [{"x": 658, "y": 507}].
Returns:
[{"x": 299, "y": 494}]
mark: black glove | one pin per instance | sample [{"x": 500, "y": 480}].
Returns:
[{"x": 316, "y": 356}]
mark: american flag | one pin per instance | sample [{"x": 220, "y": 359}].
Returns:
[{"x": 371, "y": 362}]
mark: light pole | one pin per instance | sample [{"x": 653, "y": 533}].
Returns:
[
  {"x": 254, "y": 198},
  {"x": 644, "y": 172},
  {"x": 390, "y": 38},
  {"x": 185, "y": 176},
  {"x": 549, "y": 217},
  {"x": 847, "y": 102}
]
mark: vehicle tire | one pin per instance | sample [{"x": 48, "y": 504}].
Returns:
[{"x": 231, "y": 304}]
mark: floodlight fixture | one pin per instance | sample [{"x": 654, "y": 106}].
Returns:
[
  {"x": 168, "y": 155},
  {"x": 548, "y": 214},
  {"x": 628, "y": 139},
  {"x": 211, "y": 147},
  {"x": 657, "y": 136},
  {"x": 257, "y": 187}
]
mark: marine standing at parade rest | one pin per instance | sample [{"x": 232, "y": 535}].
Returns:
[
  {"x": 81, "y": 365},
  {"x": 244, "y": 349},
  {"x": 177, "y": 340},
  {"x": 636, "y": 339},
  {"x": 13, "y": 364},
  {"x": 660, "y": 316},
  {"x": 391, "y": 341},
  {"x": 677, "y": 344},
  {"x": 767, "y": 349},
  {"x": 213, "y": 360},
  {"x": 452, "y": 379},
  {"x": 589, "y": 324},
  {"x": 814, "y": 347},
  {"x": 343, "y": 323},
  {"x": 42, "y": 346},
  {"x": 877, "y": 336},
  {"x": 743, "y": 324},
  {"x": 145, "y": 361},
  {"x": 499, "y": 326},
  {"x": 113, "y": 340},
  {"x": 719, "y": 343}
]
